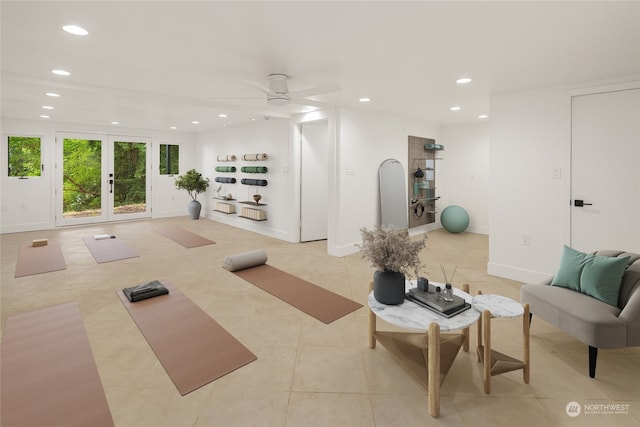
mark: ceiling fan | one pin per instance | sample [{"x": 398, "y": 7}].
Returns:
[{"x": 278, "y": 94}]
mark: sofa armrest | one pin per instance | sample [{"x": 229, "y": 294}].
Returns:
[{"x": 631, "y": 311}]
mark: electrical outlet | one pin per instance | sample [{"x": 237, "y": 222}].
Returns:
[
  {"x": 525, "y": 239},
  {"x": 556, "y": 173}
]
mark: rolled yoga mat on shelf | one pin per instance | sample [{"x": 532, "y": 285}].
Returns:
[
  {"x": 191, "y": 346},
  {"x": 258, "y": 182},
  {"x": 49, "y": 376},
  {"x": 39, "y": 259},
  {"x": 254, "y": 169},
  {"x": 255, "y": 157},
  {"x": 225, "y": 168},
  {"x": 314, "y": 300},
  {"x": 225, "y": 180},
  {"x": 227, "y": 158}
]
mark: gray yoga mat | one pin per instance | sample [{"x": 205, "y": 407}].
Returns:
[{"x": 107, "y": 250}]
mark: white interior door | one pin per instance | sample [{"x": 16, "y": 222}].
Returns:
[
  {"x": 102, "y": 178},
  {"x": 605, "y": 172},
  {"x": 314, "y": 181}
]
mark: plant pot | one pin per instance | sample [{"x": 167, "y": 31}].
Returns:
[
  {"x": 194, "y": 209},
  {"x": 388, "y": 287}
]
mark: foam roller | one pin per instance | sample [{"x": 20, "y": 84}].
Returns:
[{"x": 245, "y": 260}]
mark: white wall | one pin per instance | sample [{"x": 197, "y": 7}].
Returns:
[
  {"x": 30, "y": 204},
  {"x": 365, "y": 140},
  {"x": 464, "y": 172},
  {"x": 265, "y": 136},
  {"x": 530, "y": 137}
]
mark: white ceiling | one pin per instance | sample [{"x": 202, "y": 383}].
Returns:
[{"x": 151, "y": 65}]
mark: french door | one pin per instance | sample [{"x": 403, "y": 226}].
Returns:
[{"x": 102, "y": 178}]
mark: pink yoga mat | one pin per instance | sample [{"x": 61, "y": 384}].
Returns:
[
  {"x": 184, "y": 237},
  {"x": 40, "y": 259},
  {"x": 49, "y": 376},
  {"x": 314, "y": 300},
  {"x": 192, "y": 347}
]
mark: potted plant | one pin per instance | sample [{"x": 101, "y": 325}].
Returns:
[
  {"x": 194, "y": 183},
  {"x": 394, "y": 255}
]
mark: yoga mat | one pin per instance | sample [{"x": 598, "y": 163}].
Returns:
[
  {"x": 227, "y": 158},
  {"x": 254, "y": 169},
  {"x": 225, "y": 168},
  {"x": 107, "y": 250},
  {"x": 225, "y": 180},
  {"x": 40, "y": 259},
  {"x": 192, "y": 347},
  {"x": 318, "y": 302},
  {"x": 184, "y": 237},
  {"x": 255, "y": 156},
  {"x": 249, "y": 181},
  {"x": 49, "y": 376}
]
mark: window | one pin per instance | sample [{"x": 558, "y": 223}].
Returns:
[
  {"x": 169, "y": 159},
  {"x": 24, "y": 156}
]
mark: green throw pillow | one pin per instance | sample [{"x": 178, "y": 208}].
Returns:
[
  {"x": 602, "y": 276},
  {"x": 571, "y": 265}
]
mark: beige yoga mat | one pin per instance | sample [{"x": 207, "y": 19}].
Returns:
[
  {"x": 192, "y": 347},
  {"x": 318, "y": 302},
  {"x": 107, "y": 250},
  {"x": 49, "y": 376},
  {"x": 40, "y": 259},
  {"x": 184, "y": 237}
]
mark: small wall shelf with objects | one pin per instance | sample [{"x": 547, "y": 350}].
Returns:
[
  {"x": 253, "y": 214},
  {"x": 422, "y": 180},
  {"x": 225, "y": 208}
]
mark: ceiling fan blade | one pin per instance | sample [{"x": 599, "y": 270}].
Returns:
[
  {"x": 311, "y": 103},
  {"x": 319, "y": 90},
  {"x": 260, "y": 87}
]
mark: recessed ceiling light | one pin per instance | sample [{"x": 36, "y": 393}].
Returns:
[
  {"x": 174, "y": 127},
  {"x": 455, "y": 108},
  {"x": 47, "y": 107},
  {"x": 365, "y": 99},
  {"x": 44, "y": 116},
  {"x": 222, "y": 116},
  {"x": 482, "y": 116},
  {"x": 54, "y": 95},
  {"x": 61, "y": 72},
  {"x": 195, "y": 122},
  {"x": 115, "y": 123},
  {"x": 463, "y": 81},
  {"x": 253, "y": 119},
  {"x": 76, "y": 30}
]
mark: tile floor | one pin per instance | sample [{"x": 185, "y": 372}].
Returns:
[{"x": 307, "y": 373}]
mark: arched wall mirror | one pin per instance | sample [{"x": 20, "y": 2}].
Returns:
[{"x": 393, "y": 195}]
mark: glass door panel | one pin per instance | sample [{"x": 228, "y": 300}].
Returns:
[
  {"x": 80, "y": 189},
  {"x": 130, "y": 188}
]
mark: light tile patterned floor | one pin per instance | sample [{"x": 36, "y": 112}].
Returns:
[{"x": 307, "y": 373}]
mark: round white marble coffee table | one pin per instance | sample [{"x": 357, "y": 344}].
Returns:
[
  {"x": 409, "y": 347},
  {"x": 494, "y": 363}
]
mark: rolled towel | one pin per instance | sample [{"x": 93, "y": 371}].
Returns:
[
  {"x": 245, "y": 260},
  {"x": 225, "y": 180},
  {"x": 258, "y": 182},
  {"x": 254, "y": 169},
  {"x": 255, "y": 157}
]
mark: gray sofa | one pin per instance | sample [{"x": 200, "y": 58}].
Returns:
[{"x": 596, "y": 323}]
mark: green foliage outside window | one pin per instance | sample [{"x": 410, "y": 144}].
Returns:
[
  {"x": 24, "y": 156},
  {"x": 130, "y": 173},
  {"x": 169, "y": 159},
  {"x": 82, "y": 173}
]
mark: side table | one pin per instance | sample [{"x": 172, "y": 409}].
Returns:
[
  {"x": 426, "y": 354},
  {"x": 495, "y": 363}
]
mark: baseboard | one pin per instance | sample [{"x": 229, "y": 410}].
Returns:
[
  {"x": 20, "y": 228},
  {"x": 516, "y": 273}
]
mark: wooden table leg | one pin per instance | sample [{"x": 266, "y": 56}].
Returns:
[
  {"x": 465, "y": 331},
  {"x": 434, "y": 369},
  {"x": 372, "y": 323},
  {"x": 525, "y": 333},
  {"x": 486, "y": 325}
]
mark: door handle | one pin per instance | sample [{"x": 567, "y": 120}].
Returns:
[
  {"x": 580, "y": 203},
  {"x": 111, "y": 183}
]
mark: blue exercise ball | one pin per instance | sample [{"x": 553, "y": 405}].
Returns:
[{"x": 454, "y": 219}]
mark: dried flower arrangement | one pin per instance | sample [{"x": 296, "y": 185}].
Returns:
[{"x": 391, "y": 249}]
